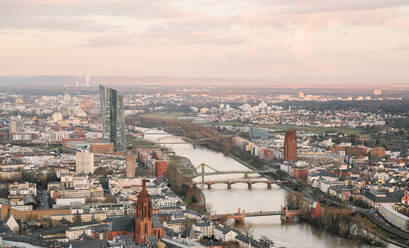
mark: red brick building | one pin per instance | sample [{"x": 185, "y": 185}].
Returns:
[
  {"x": 161, "y": 167},
  {"x": 377, "y": 152},
  {"x": 301, "y": 172},
  {"x": 102, "y": 148},
  {"x": 290, "y": 146}
]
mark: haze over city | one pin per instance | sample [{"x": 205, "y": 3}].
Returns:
[{"x": 259, "y": 41}]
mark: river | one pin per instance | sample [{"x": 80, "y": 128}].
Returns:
[{"x": 259, "y": 198}]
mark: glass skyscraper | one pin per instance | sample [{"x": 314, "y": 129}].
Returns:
[{"x": 113, "y": 118}]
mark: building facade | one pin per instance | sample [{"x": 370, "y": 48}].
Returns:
[
  {"x": 143, "y": 219},
  {"x": 130, "y": 165},
  {"x": 113, "y": 118},
  {"x": 290, "y": 146},
  {"x": 161, "y": 167},
  {"x": 84, "y": 162}
]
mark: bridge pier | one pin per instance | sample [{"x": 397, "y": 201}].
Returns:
[
  {"x": 289, "y": 215},
  {"x": 250, "y": 185}
]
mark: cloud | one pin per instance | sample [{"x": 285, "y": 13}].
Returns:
[
  {"x": 299, "y": 43},
  {"x": 130, "y": 8},
  {"x": 317, "y": 6},
  {"x": 157, "y": 36},
  {"x": 76, "y": 15},
  {"x": 95, "y": 15},
  {"x": 403, "y": 46},
  {"x": 76, "y": 24},
  {"x": 187, "y": 34},
  {"x": 111, "y": 40},
  {"x": 324, "y": 20}
]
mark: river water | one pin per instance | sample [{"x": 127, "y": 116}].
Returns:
[{"x": 222, "y": 200}]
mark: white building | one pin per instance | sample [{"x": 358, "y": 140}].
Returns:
[
  {"x": 68, "y": 201},
  {"x": 85, "y": 162},
  {"x": 23, "y": 189},
  {"x": 224, "y": 234}
]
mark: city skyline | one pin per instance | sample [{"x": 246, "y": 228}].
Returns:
[
  {"x": 253, "y": 156},
  {"x": 300, "y": 41},
  {"x": 203, "y": 124}
]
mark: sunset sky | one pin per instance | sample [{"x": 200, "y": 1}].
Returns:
[{"x": 302, "y": 40}]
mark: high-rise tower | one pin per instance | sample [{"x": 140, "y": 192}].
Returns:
[
  {"x": 290, "y": 146},
  {"x": 113, "y": 118}
]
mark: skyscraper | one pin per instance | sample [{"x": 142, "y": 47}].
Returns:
[
  {"x": 290, "y": 146},
  {"x": 84, "y": 162},
  {"x": 113, "y": 119}
]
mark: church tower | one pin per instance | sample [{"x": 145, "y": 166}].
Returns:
[{"x": 143, "y": 218}]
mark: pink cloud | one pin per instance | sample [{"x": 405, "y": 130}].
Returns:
[{"x": 320, "y": 21}]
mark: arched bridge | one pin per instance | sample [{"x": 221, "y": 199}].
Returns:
[
  {"x": 245, "y": 173},
  {"x": 240, "y": 216},
  {"x": 154, "y": 131},
  {"x": 229, "y": 183},
  {"x": 170, "y": 140}
]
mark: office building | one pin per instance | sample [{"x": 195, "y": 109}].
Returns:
[{"x": 113, "y": 119}]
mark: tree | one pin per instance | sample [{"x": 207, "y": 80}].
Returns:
[{"x": 248, "y": 229}]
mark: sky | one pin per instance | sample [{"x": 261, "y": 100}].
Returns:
[{"x": 300, "y": 40}]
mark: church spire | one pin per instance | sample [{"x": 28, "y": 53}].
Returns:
[{"x": 143, "y": 218}]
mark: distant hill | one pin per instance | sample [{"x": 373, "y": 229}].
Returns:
[
  {"x": 43, "y": 81},
  {"x": 122, "y": 81}
]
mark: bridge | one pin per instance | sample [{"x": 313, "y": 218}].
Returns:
[
  {"x": 155, "y": 132},
  {"x": 146, "y": 132},
  {"x": 215, "y": 172},
  {"x": 245, "y": 173},
  {"x": 240, "y": 216},
  {"x": 229, "y": 183},
  {"x": 162, "y": 140}
]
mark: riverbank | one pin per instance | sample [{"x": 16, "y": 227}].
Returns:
[
  {"x": 179, "y": 177},
  {"x": 256, "y": 200},
  {"x": 372, "y": 232}
]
